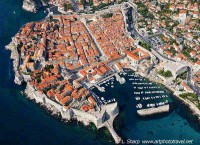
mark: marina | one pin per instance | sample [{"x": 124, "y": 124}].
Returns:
[
  {"x": 146, "y": 94},
  {"x": 32, "y": 123}
]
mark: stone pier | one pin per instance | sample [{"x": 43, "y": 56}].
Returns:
[
  {"x": 113, "y": 133},
  {"x": 151, "y": 111},
  {"x": 121, "y": 80},
  {"x": 99, "y": 88}
]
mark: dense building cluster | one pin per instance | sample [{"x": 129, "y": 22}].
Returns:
[
  {"x": 69, "y": 5},
  {"x": 178, "y": 23},
  {"x": 63, "y": 40},
  {"x": 63, "y": 57},
  {"x": 52, "y": 45},
  {"x": 59, "y": 54},
  {"x": 137, "y": 55},
  {"x": 49, "y": 81},
  {"x": 109, "y": 32},
  {"x": 95, "y": 72}
]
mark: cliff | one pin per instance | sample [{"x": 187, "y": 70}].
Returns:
[{"x": 16, "y": 59}]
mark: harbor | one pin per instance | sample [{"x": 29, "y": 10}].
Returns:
[
  {"x": 146, "y": 95},
  {"x": 32, "y": 123}
]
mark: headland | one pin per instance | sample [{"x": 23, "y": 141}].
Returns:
[{"x": 62, "y": 56}]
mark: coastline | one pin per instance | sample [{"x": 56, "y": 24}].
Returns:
[
  {"x": 72, "y": 114},
  {"x": 192, "y": 108},
  {"x": 12, "y": 46},
  {"x": 54, "y": 112},
  {"x": 86, "y": 118},
  {"x": 30, "y": 6},
  {"x": 32, "y": 123}
]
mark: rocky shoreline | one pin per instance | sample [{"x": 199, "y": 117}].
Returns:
[
  {"x": 191, "y": 106},
  {"x": 55, "y": 108},
  {"x": 30, "y": 6},
  {"x": 54, "y": 113},
  {"x": 77, "y": 115},
  {"x": 16, "y": 58},
  {"x": 19, "y": 79}
]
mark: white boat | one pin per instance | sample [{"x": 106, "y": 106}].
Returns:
[
  {"x": 137, "y": 98},
  {"x": 150, "y": 105},
  {"x": 139, "y": 106}
]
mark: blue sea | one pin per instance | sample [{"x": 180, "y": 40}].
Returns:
[{"x": 23, "y": 122}]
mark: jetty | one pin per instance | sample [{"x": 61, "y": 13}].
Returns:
[
  {"x": 120, "y": 79},
  {"x": 113, "y": 133},
  {"x": 152, "y": 111},
  {"x": 101, "y": 89}
]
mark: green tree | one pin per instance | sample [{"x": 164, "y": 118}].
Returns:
[
  {"x": 91, "y": 2},
  {"x": 83, "y": 2},
  {"x": 67, "y": 6}
]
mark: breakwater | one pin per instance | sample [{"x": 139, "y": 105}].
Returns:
[
  {"x": 29, "y": 124},
  {"x": 152, "y": 111}
]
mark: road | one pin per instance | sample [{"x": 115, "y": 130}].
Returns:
[
  {"x": 195, "y": 87},
  {"x": 135, "y": 33}
]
